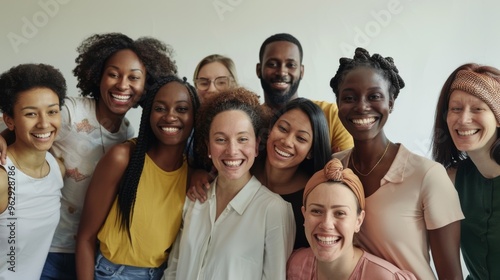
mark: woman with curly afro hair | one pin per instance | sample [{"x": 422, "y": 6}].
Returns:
[
  {"x": 114, "y": 72},
  {"x": 411, "y": 204},
  {"x": 31, "y": 96}
]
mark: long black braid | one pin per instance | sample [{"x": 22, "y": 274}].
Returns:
[
  {"x": 127, "y": 190},
  {"x": 363, "y": 59}
]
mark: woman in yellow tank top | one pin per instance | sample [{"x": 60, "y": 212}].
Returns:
[{"x": 134, "y": 208}]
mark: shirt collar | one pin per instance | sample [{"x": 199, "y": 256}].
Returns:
[{"x": 244, "y": 197}]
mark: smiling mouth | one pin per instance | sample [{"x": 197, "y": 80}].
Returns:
[
  {"x": 365, "y": 121},
  {"x": 328, "y": 240},
  {"x": 467, "y": 132},
  {"x": 170, "y": 129},
  {"x": 282, "y": 153},
  {"x": 279, "y": 85},
  {"x": 121, "y": 97},
  {"x": 233, "y": 163},
  {"x": 42, "y": 135}
]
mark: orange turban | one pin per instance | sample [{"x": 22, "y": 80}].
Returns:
[{"x": 335, "y": 172}]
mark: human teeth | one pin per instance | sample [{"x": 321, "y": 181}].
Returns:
[
  {"x": 121, "y": 97},
  {"x": 328, "y": 239},
  {"x": 233, "y": 162},
  {"x": 44, "y": 135},
  {"x": 363, "y": 121},
  {"x": 467, "y": 132},
  {"x": 170, "y": 129},
  {"x": 281, "y": 153}
]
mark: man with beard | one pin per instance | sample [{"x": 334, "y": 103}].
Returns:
[{"x": 280, "y": 70}]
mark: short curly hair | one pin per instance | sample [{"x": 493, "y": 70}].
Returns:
[
  {"x": 29, "y": 76},
  {"x": 98, "y": 48},
  {"x": 233, "y": 99},
  {"x": 363, "y": 59}
]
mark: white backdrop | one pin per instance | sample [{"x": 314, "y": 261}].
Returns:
[{"x": 427, "y": 39}]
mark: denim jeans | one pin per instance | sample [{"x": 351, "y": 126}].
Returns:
[
  {"x": 59, "y": 266},
  {"x": 105, "y": 269}
]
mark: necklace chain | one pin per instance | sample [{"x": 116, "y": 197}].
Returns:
[
  {"x": 24, "y": 169},
  {"x": 376, "y": 164}
]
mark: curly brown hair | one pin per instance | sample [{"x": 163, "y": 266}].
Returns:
[
  {"x": 98, "y": 48},
  {"x": 233, "y": 99},
  {"x": 24, "y": 77}
]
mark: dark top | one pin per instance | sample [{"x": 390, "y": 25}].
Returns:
[
  {"x": 480, "y": 230},
  {"x": 296, "y": 200}
]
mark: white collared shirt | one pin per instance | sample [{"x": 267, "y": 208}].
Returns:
[{"x": 251, "y": 239}]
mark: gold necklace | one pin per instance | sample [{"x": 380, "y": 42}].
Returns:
[
  {"x": 376, "y": 164},
  {"x": 24, "y": 169}
]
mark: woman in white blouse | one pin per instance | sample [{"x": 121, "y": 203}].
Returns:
[{"x": 243, "y": 230}]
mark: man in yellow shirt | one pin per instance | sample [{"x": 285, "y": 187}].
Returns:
[{"x": 280, "y": 70}]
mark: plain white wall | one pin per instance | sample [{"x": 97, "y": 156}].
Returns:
[{"x": 427, "y": 39}]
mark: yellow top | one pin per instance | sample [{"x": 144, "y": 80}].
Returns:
[
  {"x": 156, "y": 219},
  {"x": 339, "y": 136}
]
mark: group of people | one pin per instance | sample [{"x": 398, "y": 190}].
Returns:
[{"x": 218, "y": 186}]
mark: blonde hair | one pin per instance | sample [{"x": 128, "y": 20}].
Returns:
[{"x": 224, "y": 60}]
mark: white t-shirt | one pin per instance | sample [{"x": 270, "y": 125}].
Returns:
[{"x": 80, "y": 144}]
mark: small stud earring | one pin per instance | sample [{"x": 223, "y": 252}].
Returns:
[{"x": 209, "y": 156}]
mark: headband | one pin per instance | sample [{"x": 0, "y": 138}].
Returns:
[
  {"x": 334, "y": 172},
  {"x": 481, "y": 86}
]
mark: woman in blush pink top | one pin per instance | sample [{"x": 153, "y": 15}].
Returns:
[{"x": 333, "y": 209}]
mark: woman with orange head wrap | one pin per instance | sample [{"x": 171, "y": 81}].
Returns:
[{"x": 333, "y": 210}]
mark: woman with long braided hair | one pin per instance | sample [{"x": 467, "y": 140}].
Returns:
[
  {"x": 411, "y": 204},
  {"x": 134, "y": 201}
]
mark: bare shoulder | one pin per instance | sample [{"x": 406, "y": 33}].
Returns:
[{"x": 119, "y": 154}]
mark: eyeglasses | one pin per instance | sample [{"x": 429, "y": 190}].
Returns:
[{"x": 220, "y": 83}]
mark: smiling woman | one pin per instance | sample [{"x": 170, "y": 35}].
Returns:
[
  {"x": 467, "y": 142},
  {"x": 333, "y": 209},
  {"x": 31, "y": 96},
  {"x": 239, "y": 208},
  {"x": 134, "y": 208},
  {"x": 395, "y": 181}
]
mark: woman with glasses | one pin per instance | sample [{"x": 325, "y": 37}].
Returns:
[{"x": 214, "y": 73}]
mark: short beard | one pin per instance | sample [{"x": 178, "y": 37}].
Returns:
[{"x": 278, "y": 99}]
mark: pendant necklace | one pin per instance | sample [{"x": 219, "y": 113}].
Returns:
[
  {"x": 100, "y": 127},
  {"x": 376, "y": 164}
]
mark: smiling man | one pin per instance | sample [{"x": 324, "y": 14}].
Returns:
[{"x": 280, "y": 71}]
